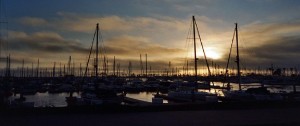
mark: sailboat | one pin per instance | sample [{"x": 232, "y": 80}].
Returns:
[
  {"x": 187, "y": 93},
  {"x": 251, "y": 94},
  {"x": 92, "y": 93}
]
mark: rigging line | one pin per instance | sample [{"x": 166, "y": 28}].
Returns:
[
  {"x": 229, "y": 56},
  {"x": 102, "y": 50},
  {"x": 209, "y": 73},
  {"x": 187, "y": 41},
  {"x": 101, "y": 39},
  {"x": 242, "y": 47},
  {"x": 85, "y": 73},
  {"x": 3, "y": 30}
]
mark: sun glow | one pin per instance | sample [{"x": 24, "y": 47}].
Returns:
[{"x": 213, "y": 54}]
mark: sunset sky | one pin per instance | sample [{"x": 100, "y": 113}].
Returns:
[{"x": 53, "y": 30}]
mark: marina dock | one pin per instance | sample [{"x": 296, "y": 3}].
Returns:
[{"x": 135, "y": 101}]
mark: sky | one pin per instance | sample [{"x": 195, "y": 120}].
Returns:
[{"x": 53, "y": 30}]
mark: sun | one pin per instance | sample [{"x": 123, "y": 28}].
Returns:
[
  {"x": 210, "y": 52},
  {"x": 213, "y": 54}
]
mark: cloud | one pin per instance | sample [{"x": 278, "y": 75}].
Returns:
[
  {"x": 130, "y": 25},
  {"x": 47, "y": 46},
  {"x": 33, "y": 21},
  {"x": 282, "y": 51},
  {"x": 260, "y": 33},
  {"x": 79, "y": 23},
  {"x": 163, "y": 38},
  {"x": 42, "y": 42},
  {"x": 112, "y": 23},
  {"x": 129, "y": 46},
  {"x": 262, "y": 44},
  {"x": 50, "y": 47},
  {"x": 191, "y": 6}
]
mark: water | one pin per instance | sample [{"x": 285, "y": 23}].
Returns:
[
  {"x": 59, "y": 99},
  {"x": 271, "y": 88},
  {"x": 46, "y": 99}
]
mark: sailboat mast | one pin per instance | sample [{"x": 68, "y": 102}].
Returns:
[
  {"x": 96, "y": 65},
  {"x": 187, "y": 67},
  {"x": 238, "y": 56},
  {"x": 53, "y": 71},
  {"x": 69, "y": 66},
  {"x": 22, "y": 70},
  {"x": 146, "y": 65},
  {"x": 114, "y": 66},
  {"x": 195, "y": 55},
  {"x": 37, "y": 69},
  {"x": 141, "y": 64}
]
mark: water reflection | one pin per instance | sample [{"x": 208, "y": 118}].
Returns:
[
  {"x": 235, "y": 86},
  {"x": 46, "y": 99},
  {"x": 59, "y": 99},
  {"x": 144, "y": 96}
]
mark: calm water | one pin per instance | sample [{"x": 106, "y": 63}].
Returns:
[
  {"x": 46, "y": 99},
  {"x": 59, "y": 99}
]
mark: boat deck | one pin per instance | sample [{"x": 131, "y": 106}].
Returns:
[{"x": 135, "y": 101}]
